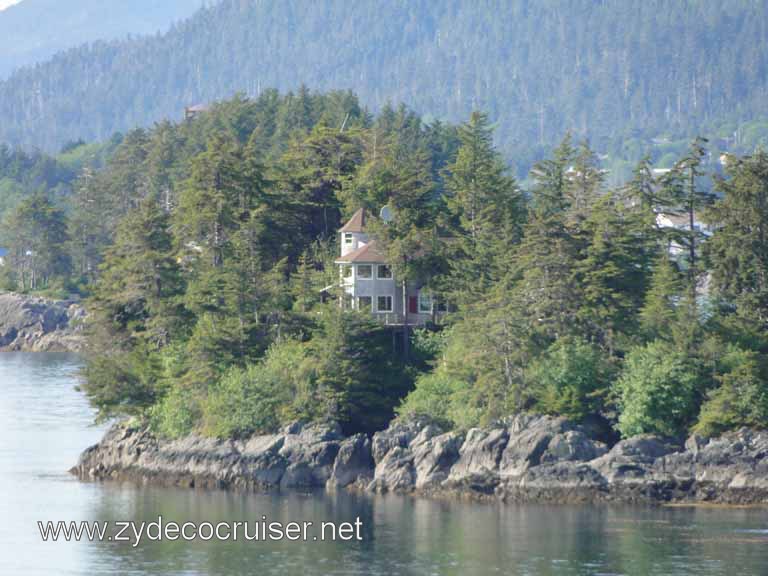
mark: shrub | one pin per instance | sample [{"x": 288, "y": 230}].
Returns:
[
  {"x": 740, "y": 400},
  {"x": 570, "y": 379},
  {"x": 434, "y": 397},
  {"x": 259, "y": 397},
  {"x": 657, "y": 391},
  {"x": 177, "y": 414}
]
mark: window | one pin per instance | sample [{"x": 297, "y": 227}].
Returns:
[
  {"x": 384, "y": 304},
  {"x": 348, "y": 238},
  {"x": 346, "y": 271},
  {"x": 364, "y": 271},
  {"x": 364, "y": 303},
  {"x": 425, "y": 303},
  {"x": 384, "y": 271}
]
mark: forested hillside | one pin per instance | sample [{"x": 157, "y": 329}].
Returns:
[
  {"x": 206, "y": 248},
  {"x": 619, "y": 73},
  {"x": 34, "y": 30}
]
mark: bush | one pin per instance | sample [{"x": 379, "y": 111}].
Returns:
[
  {"x": 177, "y": 414},
  {"x": 657, "y": 391},
  {"x": 122, "y": 382},
  {"x": 570, "y": 379},
  {"x": 259, "y": 397},
  {"x": 436, "y": 397},
  {"x": 740, "y": 400}
]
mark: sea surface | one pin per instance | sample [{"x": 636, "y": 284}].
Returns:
[{"x": 45, "y": 422}]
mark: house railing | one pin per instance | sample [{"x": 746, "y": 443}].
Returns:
[{"x": 396, "y": 319}]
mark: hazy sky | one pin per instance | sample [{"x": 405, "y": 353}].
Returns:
[{"x": 5, "y": 3}]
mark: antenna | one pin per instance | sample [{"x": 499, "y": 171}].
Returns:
[{"x": 386, "y": 214}]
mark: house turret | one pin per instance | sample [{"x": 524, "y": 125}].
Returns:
[{"x": 353, "y": 235}]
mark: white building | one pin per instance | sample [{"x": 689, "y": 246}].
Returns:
[
  {"x": 368, "y": 282},
  {"x": 681, "y": 222}
]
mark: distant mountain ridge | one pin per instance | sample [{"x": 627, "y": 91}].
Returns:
[
  {"x": 34, "y": 30},
  {"x": 606, "y": 70}
]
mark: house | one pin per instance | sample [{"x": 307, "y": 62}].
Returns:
[
  {"x": 368, "y": 283},
  {"x": 192, "y": 112},
  {"x": 681, "y": 222}
]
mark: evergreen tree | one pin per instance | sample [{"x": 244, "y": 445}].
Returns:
[
  {"x": 662, "y": 301},
  {"x": 486, "y": 207},
  {"x": 611, "y": 275},
  {"x": 35, "y": 233},
  {"x": 683, "y": 191},
  {"x": 738, "y": 250}
]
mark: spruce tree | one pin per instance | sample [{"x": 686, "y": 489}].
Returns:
[
  {"x": 662, "y": 301},
  {"x": 738, "y": 250}
]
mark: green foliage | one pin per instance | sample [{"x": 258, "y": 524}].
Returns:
[
  {"x": 177, "y": 413},
  {"x": 738, "y": 250},
  {"x": 741, "y": 399},
  {"x": 438, "y": 396},
  {"x": 208, "y": 249},
  {"x": 657, "y": 391},
  {"x": 35, "y": 233},
  {"x": 259, "y": 397},
  {"x": 533, "y": 68},
  {"x": 571, "y": 378},
  {"x": 119, "y": 382},
  {"x": 660, "y": 309}
]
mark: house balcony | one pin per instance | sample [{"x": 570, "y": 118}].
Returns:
[{"x": 397, "y": 319}]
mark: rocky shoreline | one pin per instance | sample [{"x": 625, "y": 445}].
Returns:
[
  {"x": 527, "y": 459},
  {"x": 35, "y": 324}
]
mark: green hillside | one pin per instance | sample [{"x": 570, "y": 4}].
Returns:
[{"x": 612, "y": 71}]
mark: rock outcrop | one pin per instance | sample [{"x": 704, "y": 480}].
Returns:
[
  {"x": 34, "y": 324},
  {"x": 528, "y": 458}
]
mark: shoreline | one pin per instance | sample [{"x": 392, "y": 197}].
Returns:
[
  {"x": 37, "y": 324},
  {"x": 530, "y": 459}
]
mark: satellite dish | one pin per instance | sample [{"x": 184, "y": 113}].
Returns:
[{"x": 386, "y": 214}]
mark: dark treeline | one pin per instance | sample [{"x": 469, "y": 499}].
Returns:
[
  {"x": 619, "y": 73},
  {"x": 35, "y": 193},
  {"x": 205, "y": 247}
]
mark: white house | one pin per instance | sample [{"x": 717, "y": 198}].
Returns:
[
  {"x": 368, "y": 282},
  {"x": 682, "y": 223}
]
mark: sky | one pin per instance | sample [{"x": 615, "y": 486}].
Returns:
[{"x": 5, "y": 3}]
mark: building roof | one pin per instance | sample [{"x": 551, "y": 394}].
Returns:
[
  {"x": 357, "y": 222},
  {"x": 367, "y": 254}
]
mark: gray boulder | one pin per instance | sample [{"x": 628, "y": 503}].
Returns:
[
  {"x": 529, "y": 439},
  {"x": 399, "y": 434},
  {"x": 395, "y": 472},
  {"x": 433, "y": 459},
  {"x": 354, "y": 463},
  {"x": 572, "y": 446},
  {"x": 477, "y": 468}
]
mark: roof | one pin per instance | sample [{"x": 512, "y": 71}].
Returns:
[
  {"x": 368, "y": 254},
  {"x": 357, "y": 222}
]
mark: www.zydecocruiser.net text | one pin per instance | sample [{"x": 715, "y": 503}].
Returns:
[{"x": 263, "y": 530}]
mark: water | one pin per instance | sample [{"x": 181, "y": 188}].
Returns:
[{"x": 44, "y": 423}]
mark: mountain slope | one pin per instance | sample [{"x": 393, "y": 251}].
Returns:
[
  {"x": 605, "y": 69},
  {"x": 36, "y": 29}
]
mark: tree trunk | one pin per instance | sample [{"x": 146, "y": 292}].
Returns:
[{"x": 406, "y": 335}]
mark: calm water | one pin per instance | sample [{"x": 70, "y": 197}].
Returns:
[{"x": 44, "y": 423}]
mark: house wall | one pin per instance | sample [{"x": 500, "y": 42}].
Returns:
[{"x": 374, "y": 287}]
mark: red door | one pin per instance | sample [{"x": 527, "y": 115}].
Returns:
[{"x": 413, "y": 305}]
